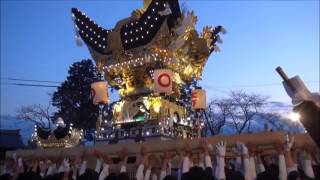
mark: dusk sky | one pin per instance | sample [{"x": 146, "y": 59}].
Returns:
[{"x": 37, "y": 42}]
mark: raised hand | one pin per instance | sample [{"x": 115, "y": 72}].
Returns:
[
  {"x": 123, "y": 154},
  {"x": 221, "y": 152},
  {"x": 84, "y": 155},
  {"x": 204, "y": 146},
  {"x": 165, "y": 159},
  {"x": 66, "y": 164},
  {"x": 144, "y": 154},
  {"x": 187, "y": 149},
  {"x": 242, "y": 148},
  {"x": 143, "y": 150},
  {"x": 279, "y": 147},
  {"x": 221, "y": 148},
  {"x": 235, "y": 150},
  {"x": 34, "y": 165},
  {"x": 289, "y": 144},
  {"x": 252, "y": 149}
]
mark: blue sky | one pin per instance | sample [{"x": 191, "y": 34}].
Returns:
[{"x": 37, "y": 42}]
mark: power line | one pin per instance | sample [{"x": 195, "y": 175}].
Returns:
[
  {"x": 31, "y": 80},
  {"x": 256, "y": 85},
  {"x": 33, "y": 85},
  {"x": 215, "y": 88}
]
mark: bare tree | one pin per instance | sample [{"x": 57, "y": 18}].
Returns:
[
  {"x": 244, "y": 107},
  {"x": 35, "y": 113},
  {"x": 216, "y": 115}
]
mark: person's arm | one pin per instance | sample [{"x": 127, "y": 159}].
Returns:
[
  {"x": 105, "y": 171},
  {"x": 75, "y": 167},
  {"x": 35, "y": 164},
  {"x": 164, "y": 167},
  {"x": 238, "y": 162},
  {"x": 307, "y": 165},
  {"x": 147, "y": 175},
  {"x": 61, "y": 166},
  {"x": 221, "y": 152},
  {"x": 42, "y": 168},
  {"x": 163, "y": 174},
  {"x": 207, "y": 163},
  {"x": 124, "y": 159},
  {"x": 281, "y": 161},
  {"x": 83, "y": 165},
  {"x": 260, "y": 166},
  {"x": 149, "y": 165},
  {"x": 186, "y": 163},
  {"x": 252, "y": 152},
  {"x": 180, "y": 157},
  {"x": 99, "y": 162},
  {"x": 144, "y": 154},
  {"x": 66, "y": 168},
  {"x": 18, "y": 168},
  {"x": 105, "y": 168},
  {"x": 245, "y": 159},
  {"x": 289, "y": 159},
  {"x": 50, "y": 168},
  {"x": 169, "y": 167}
]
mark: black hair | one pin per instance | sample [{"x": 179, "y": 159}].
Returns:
[
  {"x": 123, "y": 176},
  {"x": 111, "y": 176},
  {"x": 170, "y": 177},
  {"x": 293, "y": 175}
]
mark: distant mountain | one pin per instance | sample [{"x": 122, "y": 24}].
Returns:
[
  {"x": 257, "y": 124},
  {"x": 11, "y": 122},
  {"x": 27, "y": 127},
  {"x": 279, "y": 107}
]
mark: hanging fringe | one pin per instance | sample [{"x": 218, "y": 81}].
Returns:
[
  {"x": 78, "y": 40},
  {"x": 76, "y": 30}
]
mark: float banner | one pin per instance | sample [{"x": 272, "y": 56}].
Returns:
[
  {"x": 198, "y": 99},
  {"x": 99, "y": 92}
]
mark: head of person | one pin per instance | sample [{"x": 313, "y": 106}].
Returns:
[
  {"x": 196, "y": 173},
  {"x": 170, "y": 177},
  {"x": 123, "y": 176},
  {"x": 111, "y": 176},
  {"x": 294, "y": 175}
]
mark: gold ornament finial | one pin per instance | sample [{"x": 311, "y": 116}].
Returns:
[{"x": 146, "y": 3}]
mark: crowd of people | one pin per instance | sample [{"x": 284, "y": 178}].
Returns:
[{"x": 246, "y": 162}]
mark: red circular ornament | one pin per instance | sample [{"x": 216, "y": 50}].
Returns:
[{"x": 164, "y": 75}]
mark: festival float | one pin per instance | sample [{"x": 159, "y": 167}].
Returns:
[
  {"x": 60, "y": 136},
  {"x": 154, "y": 59},
  {"x": 150, "y": 58}
]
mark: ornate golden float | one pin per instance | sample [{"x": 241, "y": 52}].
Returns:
[{"x": 150, "y": 58}]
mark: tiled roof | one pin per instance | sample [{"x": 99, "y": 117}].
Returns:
[{"x": 11, "y": 139}]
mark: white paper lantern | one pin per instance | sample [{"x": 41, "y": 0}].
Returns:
[
  {"x": 162, "y": 81},
  {"x": 99, "y": 92},
  {"x": 198, "y": 99}
]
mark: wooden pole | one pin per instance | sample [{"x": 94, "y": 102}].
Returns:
[{"x": 285, "y": 78}]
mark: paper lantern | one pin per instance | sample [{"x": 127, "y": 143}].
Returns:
[
  {"x": 99, "y": 92},
  {"x": 198, "y": 99},
  {"x": 162, "y": 81}
]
